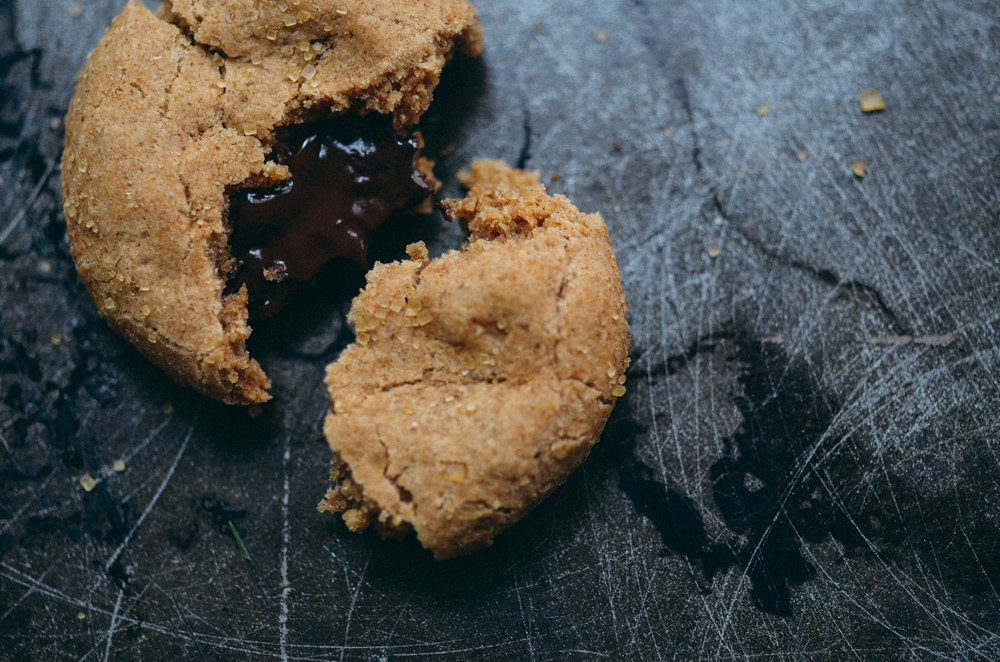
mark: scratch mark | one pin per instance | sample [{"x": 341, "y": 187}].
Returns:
[
  {"x": 30, "y": 590},
  {"x": 145, "y": 442},
  {"x": 186, "y": 624},
  {"x": 354, "y": 600},
  {"x": 286, "y": 539},
  {"x": 159, "y": 491},
  {"x": 114, "y": 623},
  {"x": 31, "y": 200},
  {"x": 905, "y": 340}
]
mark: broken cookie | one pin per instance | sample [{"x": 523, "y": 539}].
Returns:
[
  {"x": 478, "y": 380},
  {"x": 176, "y": 114}
]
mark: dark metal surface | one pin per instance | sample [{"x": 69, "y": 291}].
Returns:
[{"x": 805, "y": 465}]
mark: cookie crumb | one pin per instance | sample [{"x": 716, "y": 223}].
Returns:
[
  {"x": 81, "y": 615},
  {"x": 871, "y": 101},
  {"x": 538, "y": 28},
  {"x": 254, "y": 411},
  {"x": 56, "y": 338},
  {"x": 859, "y": 168},
  {"x": 601, "y": 36},
  {"x": 55, "y": 123},
  {"x": 167, "y": 408},
  {"x": 714, "y": 251},
  {"x": 802, "y": 155},
  {"x": 75, "y": 9},
  {"x": 119, "y": 465},
  {"x": 45, "y": 266},
  {"x": 618, "y": 391},
  {"x": 87, "y": 482},
  {"x": 763, "y": 109}
]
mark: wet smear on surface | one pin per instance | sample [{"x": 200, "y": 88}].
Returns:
[
  {"x": 770, "y": 492},
  {"x": 767, "y": 486}
]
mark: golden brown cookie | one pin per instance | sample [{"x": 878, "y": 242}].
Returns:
[
  {"x": 481, "y": 379},
  {"x": 176, "y": 110}
]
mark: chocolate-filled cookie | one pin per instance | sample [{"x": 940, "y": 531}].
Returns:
[
  {"x": 177, "y": 112},
  {"x": 479, "y": 380}
]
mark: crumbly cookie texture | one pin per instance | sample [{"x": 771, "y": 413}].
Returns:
[
  {"x": 478, "y": 380},
  {"x": 174, "y": 110}
]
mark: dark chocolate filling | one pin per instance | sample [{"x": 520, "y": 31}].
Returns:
[{"x": 349, "y": 175}]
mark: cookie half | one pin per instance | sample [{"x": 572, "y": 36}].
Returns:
[
  {"x": 479, "y": 380},
  {"x": 175, "y": 111}
]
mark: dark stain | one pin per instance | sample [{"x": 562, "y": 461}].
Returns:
[
  {"x": 20, "y": 361},
  {"x": 220, "y": 513},
  {"x": 766, "y": 487},
  {"x": 119, "y": 574},
  {"x": 90, "y": 370},
  {"x": 183, "y": 537},
  {"x": 779, "y": 487},
  {"x": 14, "y": 398},
  {"x": 704, "y": 345},
  {"x": 103, "y": 517},
  {"x": 457, "y": 99},
  {"x": 681, "y": 92},
  {"x": 234, "y": 429},
  {"x": 6, "y": 544},
  {"x": 226, "y": 519},
  {"x": 12, "y": 472},
  {"x": 38, "y": 525},
  {"x": 525, "y": 154},
  {"x": 100, "y": 517}
]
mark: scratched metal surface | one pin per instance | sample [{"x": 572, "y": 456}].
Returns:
[{"x": 805, "y": 465}]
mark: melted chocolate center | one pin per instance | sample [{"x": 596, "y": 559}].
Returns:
[{"x": 349, "y": 174}]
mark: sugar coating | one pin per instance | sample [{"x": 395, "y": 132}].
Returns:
[
  {"x": 481, "y": 379},
  {"x": 174, "y": 110}
]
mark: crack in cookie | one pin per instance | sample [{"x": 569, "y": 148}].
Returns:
[{"x": 167, "y": 122}]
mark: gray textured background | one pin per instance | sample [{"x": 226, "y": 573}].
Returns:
[{"x": 805, "y": 465}]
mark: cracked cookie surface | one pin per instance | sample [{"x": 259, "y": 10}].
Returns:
[
  {"x": 481, "y": 379},
  {"x": 175, "y": 110}
]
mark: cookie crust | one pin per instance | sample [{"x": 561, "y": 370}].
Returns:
[
  {"x": 174, "y": 110},
  {"x": 481, "y": 379}
]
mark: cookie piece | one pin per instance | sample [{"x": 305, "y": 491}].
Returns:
[
  {"x": 176, "y": 110},
  {"x": 481, "y": 379}
]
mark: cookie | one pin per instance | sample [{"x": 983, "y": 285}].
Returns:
[
  {"x": 478, "y": 380},
  {"x": 176, "y": 112}
]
